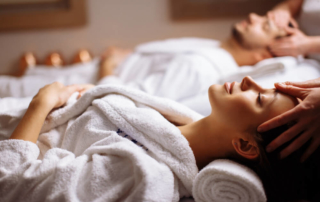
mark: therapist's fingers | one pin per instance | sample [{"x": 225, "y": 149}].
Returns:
[
  {"x": 294, "y": 23},
  {"x": 305, "y": 84},
  {"x": 292, "y": 90},
  {"x": 290, "y": 30},
  {"x": 311, "y": 149},
  {"x": 285, "y": 137},
  {"x": 297, "y": 143},
  {"x": 288, "y": 116}
]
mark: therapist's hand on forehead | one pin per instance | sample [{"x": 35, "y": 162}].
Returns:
[{"x": 306, "y": 115}]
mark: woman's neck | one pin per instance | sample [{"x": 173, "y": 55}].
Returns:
[{"x": 207, "y": 139}]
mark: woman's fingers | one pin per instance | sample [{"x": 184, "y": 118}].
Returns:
[
  {"x": 292, "y": 90},
  {"x": 285, "y": 137},
  {"x": 294, "y": 23},
  {"x": 65, "y": 93},
  {"x": 311, "y": 149},
  {"x": 85, "y": 88}
]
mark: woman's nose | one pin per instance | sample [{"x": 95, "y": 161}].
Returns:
[{"x": 248, "y": 83}]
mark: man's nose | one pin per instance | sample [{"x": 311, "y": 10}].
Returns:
[{"x": 253, "y": 18}]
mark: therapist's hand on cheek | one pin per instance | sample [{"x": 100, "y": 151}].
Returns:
[
  {"x": 306, "y": 115},
  {"x": 282, "y": 18},
  {"x": 297, "y": 43}
]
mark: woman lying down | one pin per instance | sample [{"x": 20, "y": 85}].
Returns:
[{"x": 120, "y": 144}]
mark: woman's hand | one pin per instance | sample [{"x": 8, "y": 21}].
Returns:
[
  {"x": 49, "y": 97},
  {"x": 55, "y": 95},
  {"x": 296, "y": 44},
  {"x": 85, "y": 88},
  {"x": 307, "y": 117}
]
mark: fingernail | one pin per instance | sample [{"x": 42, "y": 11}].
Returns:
[{"x": 260, "y": 129}]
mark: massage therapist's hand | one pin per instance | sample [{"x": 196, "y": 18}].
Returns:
[
  {"x": 282, "y": 18},
  {"x": 296, "y": 44},
  {"x": 306, "y": 115},
  {"x": 55, "y": 95}
]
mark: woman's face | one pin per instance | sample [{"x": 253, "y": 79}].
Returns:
[{"x": 245, "y": 105}]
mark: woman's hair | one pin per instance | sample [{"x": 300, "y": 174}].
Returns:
[{"x": 286, "y": 179}]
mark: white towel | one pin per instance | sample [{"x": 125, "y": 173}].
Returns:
[{"x": 227, "y": 181}]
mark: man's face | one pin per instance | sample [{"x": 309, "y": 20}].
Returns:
[{"x": 256, "y": 31}]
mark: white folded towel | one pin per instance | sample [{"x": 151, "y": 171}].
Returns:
[{"x": 224, "y": 180}]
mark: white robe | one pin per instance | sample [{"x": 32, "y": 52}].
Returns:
[{"x": 80, "y": 155}]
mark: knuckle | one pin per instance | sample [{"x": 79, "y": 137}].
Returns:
[
  {"x": 308, "y": 106},
  {"x": 59, "y": 84}
]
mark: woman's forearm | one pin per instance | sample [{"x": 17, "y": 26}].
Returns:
[
  {"x": 292, "y": 6},
  {"x": 30, "y": 125}
]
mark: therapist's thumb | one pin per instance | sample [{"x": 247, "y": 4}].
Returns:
[{"x": 292, "y": 90}]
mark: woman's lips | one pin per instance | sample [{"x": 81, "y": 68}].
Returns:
[
  {"x": 227, "y": 87},
  {"x": 231, "y": 86}
]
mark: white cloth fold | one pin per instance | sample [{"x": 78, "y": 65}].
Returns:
[{"x": 227, "y": 181}]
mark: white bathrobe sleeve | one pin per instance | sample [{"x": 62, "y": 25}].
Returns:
[{"x": 16, "y": 153}]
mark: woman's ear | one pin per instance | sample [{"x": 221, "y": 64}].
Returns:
[{"x": 246, "y": 148}]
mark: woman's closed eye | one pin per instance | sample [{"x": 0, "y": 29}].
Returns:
[{"x": 259, "y": 99}]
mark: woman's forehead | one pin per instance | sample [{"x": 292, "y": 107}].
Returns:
[{"x": 281, "y": 103}]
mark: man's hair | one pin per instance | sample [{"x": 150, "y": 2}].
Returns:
[{"x": 286, "y": 179}]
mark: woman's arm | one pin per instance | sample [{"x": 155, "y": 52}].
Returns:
[
  {"x": 31, "y": 123},
  {"x": 49, "y": 97}
]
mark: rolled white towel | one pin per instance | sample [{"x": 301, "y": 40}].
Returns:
[{"x": 225, "y": 181}]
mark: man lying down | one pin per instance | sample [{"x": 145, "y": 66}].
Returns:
[
  {"x": 153, "y": 67},
  {"x": 121, "y": 144}
]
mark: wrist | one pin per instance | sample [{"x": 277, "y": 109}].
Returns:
[
  {"x": 314, "y": 46},
  {"x": 38, "y": 103}
]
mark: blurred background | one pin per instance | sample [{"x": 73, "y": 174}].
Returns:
[{"x": 65, "y": 26}]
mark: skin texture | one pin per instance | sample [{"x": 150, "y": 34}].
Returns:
[
  {"x": 228, "y": 131},
  {"x": 297, "y": 43},
  {"x": 48, "y": 98},
  {"x": 306, "y": 115},
  {"x": 251, "y": 38},
  {"x": 257, "y": 31}
]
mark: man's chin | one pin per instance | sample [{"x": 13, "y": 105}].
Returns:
[{"x": 236, "y": 34}]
